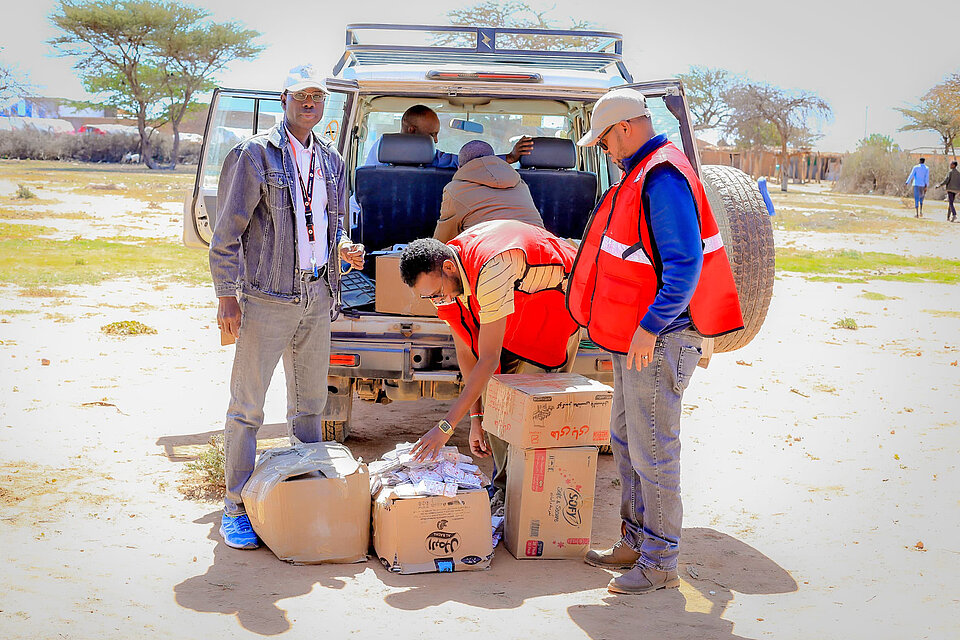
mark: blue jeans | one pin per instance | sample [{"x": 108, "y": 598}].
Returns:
[
  {"x": 300, "y": 334},
  {"x": 918, "y": 194},
  {"x": 645, "y": 438}
]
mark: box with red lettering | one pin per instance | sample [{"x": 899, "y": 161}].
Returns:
[
  {"x": 549, "y": 505},
  {"x": 548, "y": 410}
]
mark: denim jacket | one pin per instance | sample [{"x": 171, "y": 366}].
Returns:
[{"x": 254, "y": 245}]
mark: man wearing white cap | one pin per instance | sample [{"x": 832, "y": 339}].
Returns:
[
  {"x": 651, "y": 279},
  {"x": 275, "y": 261}
]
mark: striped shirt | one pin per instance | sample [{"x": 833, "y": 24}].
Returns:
[{"x": 501, "y": 276}]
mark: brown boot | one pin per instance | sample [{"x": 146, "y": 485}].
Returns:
[
  {"x": 640, "y": 580},
  {"x": 620, "y": 556}
]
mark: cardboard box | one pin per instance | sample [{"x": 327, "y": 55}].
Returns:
[
  {"x": 549, "y": 502},
  {"x": 432, "y": 533},
  {"x": 393, "y": 295},
  {"x": 310, "y": 503},
  {"x": 548, "y": 410}
]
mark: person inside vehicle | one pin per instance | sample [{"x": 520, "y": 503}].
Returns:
[
  {"x": 421, "y": 119},
  {"x": 500, "y": 287},
  {"x": 484, "y": 188}
]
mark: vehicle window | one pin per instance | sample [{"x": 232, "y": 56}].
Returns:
[
  {"x": 500, "y": 130},
  {"x": 664, "y": 122},
  {"x": 233, "y": 122}
]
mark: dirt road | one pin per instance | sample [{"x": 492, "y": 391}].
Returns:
[{"x": 819, "y": 473}]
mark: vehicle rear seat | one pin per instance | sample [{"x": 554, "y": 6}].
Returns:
[
  {"x": 400, "y": 202},
  {"x": 564, "y": 197}
]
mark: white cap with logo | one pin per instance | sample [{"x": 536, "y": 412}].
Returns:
[
  {"x": 616, "y": 106},
  {"x": 303, "y": 77}
]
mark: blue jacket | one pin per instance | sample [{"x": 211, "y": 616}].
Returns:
[{"x": 254, "y": 245}]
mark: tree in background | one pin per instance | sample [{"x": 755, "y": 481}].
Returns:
[
  {"x": 939, "y": 110},
  {"x": 139, "y": 53},
  {"x": 707, "y": 90},
  {"x": 518, "y": 15},
  {"x": 12, "y": 83},
  {"x": 753, "y": 104},
  {"x": 877, "y": 166}
]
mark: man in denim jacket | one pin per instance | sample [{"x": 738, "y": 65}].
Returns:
[{"x": 275, "y": 260}]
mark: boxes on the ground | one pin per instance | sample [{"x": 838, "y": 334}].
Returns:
[
  {"x": 310, "y": 503},
  {"x": 432, "y": 533},
  {"x": 393, "y": 295},
  {"x": 548, "y": 410},
  {"x": 549, "y": 501}
]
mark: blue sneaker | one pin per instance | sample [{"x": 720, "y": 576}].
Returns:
[{"x": 237, "y": 532}]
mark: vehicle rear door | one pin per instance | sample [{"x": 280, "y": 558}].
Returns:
[{"x": 236, "y": 114}]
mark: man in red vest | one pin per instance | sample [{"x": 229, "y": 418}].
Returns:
[
  {"x": 650, "y": 279},
  {"x": 500, "y": 286}
]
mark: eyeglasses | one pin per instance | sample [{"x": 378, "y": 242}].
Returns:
[
  {"x": 301, "y": 96},
  {"x": 600, "y": 143},
  {"x": 439, "y": 294}
]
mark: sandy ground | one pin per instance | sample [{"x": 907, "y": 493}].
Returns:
[{"x": 819, "y": 472}]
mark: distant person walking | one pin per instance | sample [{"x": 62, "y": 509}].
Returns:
[
  {"x": 952, "y": 183},
  {"x": 920, "y": 175}
]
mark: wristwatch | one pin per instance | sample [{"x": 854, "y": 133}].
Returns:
[{"x": 445, "y": 426}]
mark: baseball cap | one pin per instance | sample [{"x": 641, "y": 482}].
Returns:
[
  {"x": 616, "y": 106},
  {"x": 303, "y": 77}
]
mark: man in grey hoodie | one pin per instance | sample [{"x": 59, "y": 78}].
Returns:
[{"x": 484, "y": 188}]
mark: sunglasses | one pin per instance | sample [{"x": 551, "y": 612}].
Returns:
[
  {"x": 301, "y": 96},
  {"x": 600, "y": 142}
]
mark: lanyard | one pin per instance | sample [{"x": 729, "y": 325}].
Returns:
[{"x": 307, "y": 193}]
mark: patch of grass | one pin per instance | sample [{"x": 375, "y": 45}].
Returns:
[
  {"x": 205, "y": 475},
  {"x": 942, "y": 314},
  {"x": 856, "y": 266},
  {"x": 127, "y": 328},
  {"x": 43, "y": 292},
  {"x": 20, "y": 231},
  {"x": 872, "y": 295},
  {"x": 24, "y": 192},
  {"x": 58, "y": 317},
  {"x": 846, "y": 323},
  {"x": 46, "y": 262},
  {"x": 16, "y": 312},
  {"x": 35, "y": 213}
]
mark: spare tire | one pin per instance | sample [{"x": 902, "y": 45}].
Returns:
[{"x": 748, "y": 237}]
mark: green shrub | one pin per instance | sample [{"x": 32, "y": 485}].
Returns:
[
  {"x": 846, "y": 323},
  {"x": 24, "y": 192}
]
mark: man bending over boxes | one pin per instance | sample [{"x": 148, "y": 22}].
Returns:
[{"x": 500, "y": 286}]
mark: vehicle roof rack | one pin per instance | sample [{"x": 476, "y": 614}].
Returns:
[{"x": 596, "y": 51}]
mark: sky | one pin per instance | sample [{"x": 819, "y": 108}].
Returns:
[{"x": 864, "y": 58}]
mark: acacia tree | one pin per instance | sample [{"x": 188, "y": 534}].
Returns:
[
  {"x": 939, "y": 110},
  {"x": 149, "y": 57},
  {"x": 707, "y": 90},
  {"x": 110, "y": 41},
  {"x": 789, "y": 112},
  {"x": 520, "y": 15}
]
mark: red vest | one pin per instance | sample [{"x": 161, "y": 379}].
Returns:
[
  {"x": 616, "y": 277},
  {"x": 540, "y": 325}
]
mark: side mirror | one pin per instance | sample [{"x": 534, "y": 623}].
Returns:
[{"x": 466, "y": 125}]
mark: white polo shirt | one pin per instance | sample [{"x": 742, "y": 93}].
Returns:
[{"x": 305, "y": 249}]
